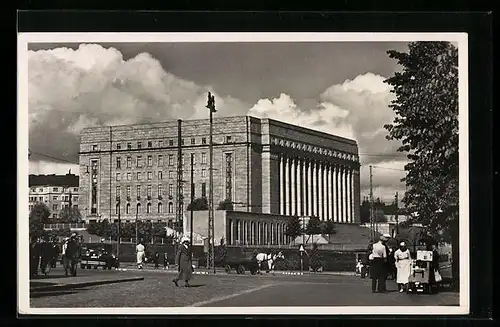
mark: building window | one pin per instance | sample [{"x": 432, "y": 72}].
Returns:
[
  {"x": 40, "y": 199},
  {"x": 227, "y": 139},
  {"x": 129, "y": 146},
  {"x": 138, "y": 208},
  {"x": 170, "y": 159},
  {"x": 171, "y": 142},
  {"x": 203, "y": 189},
  {"x": 54, "y": 198},
  {"x": 182, "y": 141},
  {"x": 118, "y": 191},
  {"x": 138, "y": 176},
  {"x": 117, "y": 176},
  {"x": 93, "y": 197},
  {"x": 129, "y": 176},
  {"x": 139, "y": 145},
  {"x": 193, "y": 141},
  {"x": 54, "y": 207},
  {"x": 160, "y": 175},
  {"x": 229, "y": 175},
  {"x": 182, "y": 159},
  {"x": 170, "y": 207},
  {"x": 194, "y": 158},
  {"x": 149, "y": 208},
  {"x": 40, "y": 190},
  {"x": 33, "y": 189},
  {"x": 203, "y": 173},
  {"x": 193, "y": 189},
  {"x": 129, "y": 162},
  {"x": 55, "y": 189},
  {"x": 66, "y": 198},
  {"x": 118, "y": 163},
  {"x": 170, "y": 189},
  {"x": 160, "y": 208},
  {"x": 75, "y": 189},
  {"x": 149, "y": 191},
  {"x": 160, "y": 160},
  {"x": 118, "y": 146},
  {"x": 203, "y": 140},
  {"x": 171, "y": 174},
  {"x": 75, "y": 198},
  {"x": 160, "y": 191},
  {"x": 127, "y": 208},
  {"x": 150, "y": 144},
  {"x": 150, "y": 175},
  {"x": 117, "y": 208},
  {"x": 94, "y": 147},
  {"x": 139, "y": 161},
  {"x": 30, "y": 207},
  {"x": 54, "y": 216},
  {"x": 128, "y": 191},
  {"x": 138, "y": 191},
  {"x": 203, "y": 158},
  {"x": 160, "y": 144},
  {"x": 150, "y": 161}
]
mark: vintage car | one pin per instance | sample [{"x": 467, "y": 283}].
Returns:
[{"x": 95, "y": 258}]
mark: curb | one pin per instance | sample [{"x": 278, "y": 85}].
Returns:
[
  {"x": 291, "y": 273},
  {"x": 82, "y": 284}
]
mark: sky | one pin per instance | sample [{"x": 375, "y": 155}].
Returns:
[{"x": 334, "y": 87}]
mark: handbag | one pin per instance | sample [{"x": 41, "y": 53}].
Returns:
[{"x": 437, "y": 276}]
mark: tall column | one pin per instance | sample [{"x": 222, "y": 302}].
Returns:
[
  {"x": 287, "y": 186},
  {"x": 282, "y": 186},
  {"x": 328, "y": 193},
  {"x": 314, "y": 189},
  {"x": 306, "y": 187},
  {"x": 337, "y": 193},
  {"x": 302, "y": 188},
  {"x": 346, "y": 183},
  {"x": 332, "y": 186},
  {"x": 310, "y": 195},
  {"x": 293, "y": 188},
  {"x": 296, "y": 187},
  {"x": 342, "y": 194},
  {"x": 318, "y": 190},
  {"x": 351, "y": 196},
  {"x": 323, "y": 190}
]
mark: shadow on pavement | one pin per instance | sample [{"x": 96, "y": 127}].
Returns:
[
  {"x": 196, "y": 285},
  {"x": 49, "y": 276}
]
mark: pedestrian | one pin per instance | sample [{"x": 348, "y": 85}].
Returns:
[
  {"x": 378, "y": 268},
  {"x": 45, "y": 255},
  {"x": 71, "y": 255},
  {"x": 165, "y": 260},
  {"x": 183, "y": 262},
  {"x": 157, "y": 260},
  {"x": 434, "y": 275},
  {"x": 403, "y": 266},
  {"x": 55, "y": 253},
  {"x": 34, "y": 256},
  {"x": 139, "y": 249}
]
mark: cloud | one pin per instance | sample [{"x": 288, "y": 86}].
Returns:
[
  {"x": 356, "y": 109},
  {"x": 94, "y": 86}
]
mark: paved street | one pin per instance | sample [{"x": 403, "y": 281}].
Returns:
[{"x": 157, "y": 290}]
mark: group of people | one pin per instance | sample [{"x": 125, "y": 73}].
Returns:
[
  {"x": 44, "y": 254},
  {"x": 384, "y": 262},
  {"x": 142, "y": 257}
]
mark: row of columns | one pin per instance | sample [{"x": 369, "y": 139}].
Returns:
[
  {"x": 315, "y": 188},
  {"x": 248, "y": 232}
]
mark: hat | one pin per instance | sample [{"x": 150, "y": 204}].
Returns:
[
  {"x": 402, "y": 244},
  {"x": 387, "y": 236},
  {"x": 185, "y": 239},
  {"x": 73, "y": 235}
]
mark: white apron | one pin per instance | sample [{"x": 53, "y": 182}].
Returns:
[
  {"x": 140, "y": 253},
  {"x": 403, "y": 265}
]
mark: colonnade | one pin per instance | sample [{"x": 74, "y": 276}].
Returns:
[
  {"x": 251, "y": 232},
  {"x": 316, "y": 188}
]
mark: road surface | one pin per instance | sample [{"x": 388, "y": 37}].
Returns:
[{"x": 157, "y": 290}]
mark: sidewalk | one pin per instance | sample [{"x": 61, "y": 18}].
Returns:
[{"x": 64, "y": 283}]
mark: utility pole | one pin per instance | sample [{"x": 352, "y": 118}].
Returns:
[
  {"x": 180, "y": 176},
  {"x": 211, "y": 230},
  {"x": 192, "y": 200},
  {"x": 396, "y": 213},
  {"x": 372, "y": 220}
]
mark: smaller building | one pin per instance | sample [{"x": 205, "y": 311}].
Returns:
[{"x": 55, "y": 191}]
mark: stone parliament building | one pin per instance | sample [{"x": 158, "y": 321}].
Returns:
[{"x": 266, "y": 168}]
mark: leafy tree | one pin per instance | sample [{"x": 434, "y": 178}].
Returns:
[
  {"x": 39, "y": 215},
  {"x": 198, "y": 204},
  {"x": 227, "y": 204},
  {"x": 426, "y": 123},
  {"x": 69, "y": 215},
  {"x": 328, "y": 228},
  {"x": 313, "y": 226},
  {"x": 293, "y": 227}
]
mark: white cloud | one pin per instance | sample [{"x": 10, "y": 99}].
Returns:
[{"x": 91, "y": 86}]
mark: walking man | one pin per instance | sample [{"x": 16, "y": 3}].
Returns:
[
  {"x": 139, "y": 249},
  {"x": 165, "y": 260},
  {"x": 378, "y": 268},
  {"x": 183, "y": 262},
  {"x": 71, "y": 255}
]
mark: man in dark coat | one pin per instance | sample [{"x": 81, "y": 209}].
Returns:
[
  {"x": 183, "y": 262},
  {"x": 46, "y": 255},
  {"x": 71, "y": 256},
  {"x": 55, "y": 253},
  {"x": 34, "y": 256}
]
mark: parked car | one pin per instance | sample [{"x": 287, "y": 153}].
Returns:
[{"x": 95, "y": 258}]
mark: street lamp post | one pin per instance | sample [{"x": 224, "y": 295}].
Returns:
[{"x": 211, "y": 229}]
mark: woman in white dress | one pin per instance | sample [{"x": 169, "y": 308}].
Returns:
[
  {"x": 139, "y": 249},
  {"x": 403, "y": 265}
]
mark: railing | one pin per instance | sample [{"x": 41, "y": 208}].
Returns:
[{"x": 64, "y": 226}]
